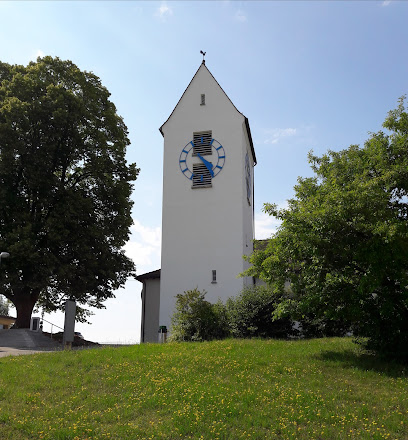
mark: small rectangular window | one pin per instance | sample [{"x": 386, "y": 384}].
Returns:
[
  {"x": 214, "y": 276},
  {"x": 202, "y": 99},
  {"x": 202, "y": 141}
]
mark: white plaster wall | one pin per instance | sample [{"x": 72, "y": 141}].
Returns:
[{"x": 208, "y": 228}]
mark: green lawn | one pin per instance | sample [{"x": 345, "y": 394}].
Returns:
[{"x": 233, "y": 389}]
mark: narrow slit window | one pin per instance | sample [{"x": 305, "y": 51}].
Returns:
[
  {"x": 214, "y": 276},
  {"x": 202, "y": 99}
]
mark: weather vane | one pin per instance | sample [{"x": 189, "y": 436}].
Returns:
[{"x": 203, "y": 54}]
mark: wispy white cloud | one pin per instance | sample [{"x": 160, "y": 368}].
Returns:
[
  {"x": 37, "y": 53},
  {"x": 266, "y": 225},
  {"x": 274, "y": 135},
  {"x": 300, "y": 135},
  {"x": 148, "y": 234},
  {"x": 386, "y": 3},
  {"x": 144, "y": 247},
  {"x": 163, "y": 11},
  {"x": 240, "y": 16}
]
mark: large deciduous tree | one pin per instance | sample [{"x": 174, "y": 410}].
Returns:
[
  {"x": 343, "y": 241},
  {"x": 65, "y": 208}
]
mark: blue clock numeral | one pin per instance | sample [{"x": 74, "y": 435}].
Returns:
[
  {"x": 212, "y": 140},
  {"x": 191, "y": 142},
  {"x": 192, "y": 175},
  {"x": 219, "y": 148},
  {"x": 184, "y": 151},
  {"x": 183, "y": 171},
  {"x": 222, "y": 157},
  {"x": 202, "y": 178},
  {"x": 182, "y": 161},
  {"x": 202, "y": 140},
  {"x": 218, "y": 167}
]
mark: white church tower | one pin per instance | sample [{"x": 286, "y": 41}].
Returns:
[{"x": 208, "y": 221}]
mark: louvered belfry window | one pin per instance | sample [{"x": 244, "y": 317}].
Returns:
[
  {"x": 201, "y": 176},
  {"x": 202, "y": 146},
  {"x": 202, "y": 141}
]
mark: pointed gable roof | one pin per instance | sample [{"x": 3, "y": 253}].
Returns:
[{"x": 248, "y": 130}]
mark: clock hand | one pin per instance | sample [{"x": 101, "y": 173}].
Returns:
[{"x": 207, "y": 164}]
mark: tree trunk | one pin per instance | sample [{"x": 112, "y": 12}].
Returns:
[{"x": 24, "y": 306}]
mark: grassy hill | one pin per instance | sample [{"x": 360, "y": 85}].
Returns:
[{"x": 235, "y": 389}]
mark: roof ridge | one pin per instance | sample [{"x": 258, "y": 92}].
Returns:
[{"x": 246, "y": 119}]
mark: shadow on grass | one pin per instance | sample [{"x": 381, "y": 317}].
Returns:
[{"x": 365, "y": 361}]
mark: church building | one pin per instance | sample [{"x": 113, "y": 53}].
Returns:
[{"x": 208, "y": 203}]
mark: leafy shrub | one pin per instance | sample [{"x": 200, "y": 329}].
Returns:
[
  {"x": 319, "y": 327},
  {"x": 196, "y": 319},
  {"x": 386, "y": 325},
  {"x": 252, "y": 313}
]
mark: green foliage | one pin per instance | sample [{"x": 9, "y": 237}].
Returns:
[
  {"x": 196, "y": 319},
  {"x": 313, "y": 326},
  {"x": 252, "y": 314},
  {"x": 343, "y": 241},
  {"x": 65, "y": 208}
]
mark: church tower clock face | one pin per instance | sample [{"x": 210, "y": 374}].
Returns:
[{"x": 202, "y": 159}]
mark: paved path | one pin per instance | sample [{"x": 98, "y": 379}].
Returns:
[{"x": 23, "y": 341}]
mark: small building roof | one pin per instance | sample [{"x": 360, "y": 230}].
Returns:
[{"x": 149, "y": 275}]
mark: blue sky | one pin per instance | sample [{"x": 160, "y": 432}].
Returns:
[{"x": 308, "y": 75}]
